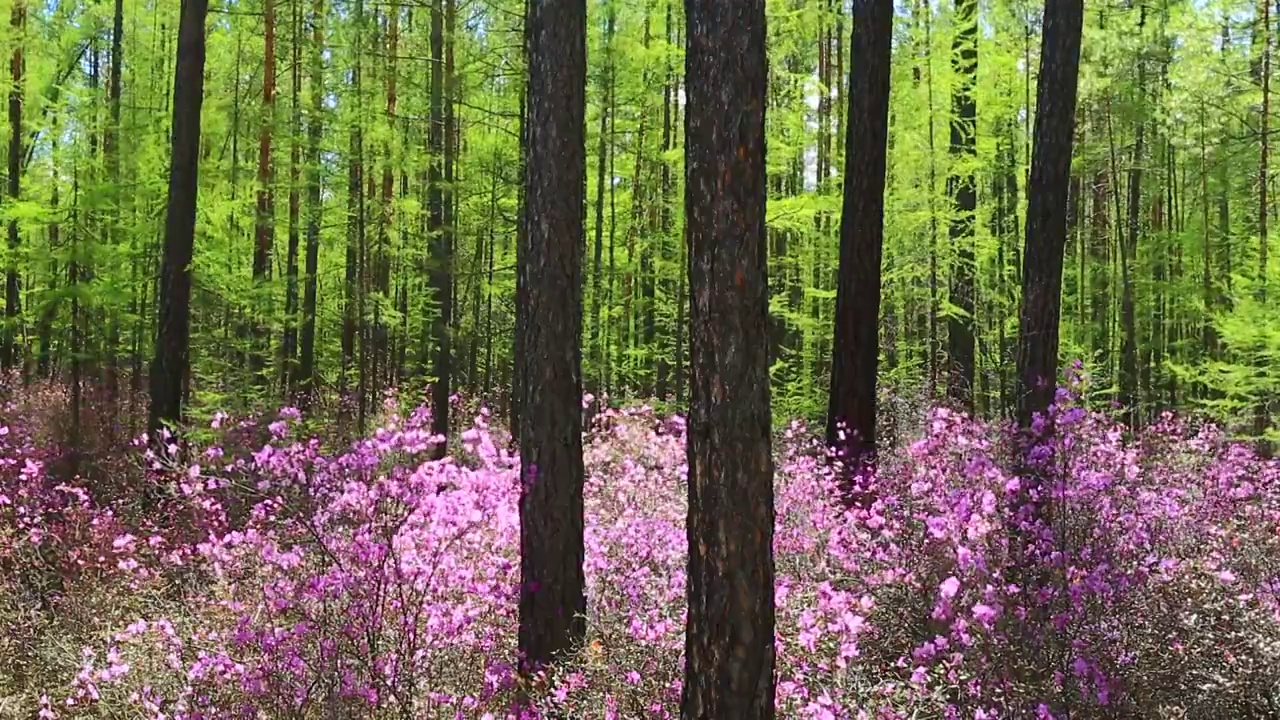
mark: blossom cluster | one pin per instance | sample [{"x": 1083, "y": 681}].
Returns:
[{"x": 282, "y": 574}]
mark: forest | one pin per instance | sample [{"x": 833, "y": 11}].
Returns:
[{"x": 545, "y": 358}]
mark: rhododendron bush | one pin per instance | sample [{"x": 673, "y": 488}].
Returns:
[{"x": 269, "y": 575}]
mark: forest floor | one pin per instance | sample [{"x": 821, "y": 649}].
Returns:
[{"x": 279, "y": 573}]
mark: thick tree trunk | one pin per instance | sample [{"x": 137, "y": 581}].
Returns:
[
  {"x": 964, "y": 198},
  {"x": 851, "y": 405},
  {"x": 1046, "y": 234},
  {"x": 169, "y": 367},
  {"x": 549, "y": 274},
  {"x": 729, "y": 649}
]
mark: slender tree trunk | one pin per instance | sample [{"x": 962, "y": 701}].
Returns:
[
  {"x": 1129, "y": 397},
  {"x": 729, "y": 649},
  {"x": 1208, "y": 305},
  {"x": 289, "y": 345},
  {"x": 935, "y": 341},
  {"x": 111, "y": 153},
  {"x": 552, "y": 585},
  {"x": 264, "y": 230},
  {"x": 353, "y": 318},
  {"x": 441, "y": 216},
  {"x": 1261, "y": 412},
  {"x": 851, "y": 405},
  {"x": 663, "y": 378},
  {"x": 602, "y": 156},
  {"x": 169, "y": 366},
  {"x": 10, "y": 353},
  {"x": 306, "y": 385},
  {"x": 964, "y": 198}
]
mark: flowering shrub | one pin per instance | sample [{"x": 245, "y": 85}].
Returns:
[{"x": 1124, "y": 577}]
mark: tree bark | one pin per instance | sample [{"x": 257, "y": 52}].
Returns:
[
  {"x": 264, "y": 229},
  {"x": 549, "y": 274},
  {"x": 1046, "y": 234},
  {"x": 729, "y": 636},
  {"x": 289, "y": 344},
  {"x": 851, "y": 405},
  {"x": 440, "y": 277},
  {"x": 10, "y": 354},
  {"x": 305, "y": 387},
  {"x": 964, "y": 198},
  {"x": 603, "y": 149},
  {"x": 169, "y": 366}
]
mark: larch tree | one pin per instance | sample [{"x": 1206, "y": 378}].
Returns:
[
  {"x": 10, "y": 353},
  {"x": 964, "y": 197},
  {"x": 170, "y": 364},
  {"x": 264, "y": 225},
  {"x": 549, "y": 275},
  {"x": 1046, "y": 234},
  {"x": 729, "y": 632},
  {"x": 851, "y": 406},
  {"x": 305, "y": 387}
]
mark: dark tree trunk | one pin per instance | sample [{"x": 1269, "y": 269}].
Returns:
[
  {"x": 10, "y": 354},
  {"x": 306, "y": 384},
  {"x": 1261, "y": 411},
  {"x": 851, "y": 405},
  {"x": 602, "y": 156},
  {"x": 964, "y": 197},
  {"x": 440, "y": 277},
  {"x": 169, "y": 367},
  {"x": 289, "y": 344},
  {"x": 1100, "y": 280},
  {"x": 264, "y": 229},
  {"x": 729, "y": 649},
  {"x": 549, "y": 273},
  {"x": 663, "y": 379},
  {"x": 445, "y": 250},
  {"x": 1046, "y": 235},
  {"x": 111, "y": 152}
]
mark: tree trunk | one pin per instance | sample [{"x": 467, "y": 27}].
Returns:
[
  {"x": 1046, "y": 235},
  {"x": 729, "y": 649},
  {"x": 264, "y": 230},
  {"x": 964, "y": 198},
  {"x": 851, "y": 405},
  {"x": 289, "y": 345},
  {"x": 441, "y": 218},
  {"x": 306, "y": 384},
  {"x": 169, "y": 366},
  {"x": 10, "y": 353},
  {"x": 1261, "y": 411},
  {"x": 549, "y": 272},
  {"x": 602, "y": 156}
]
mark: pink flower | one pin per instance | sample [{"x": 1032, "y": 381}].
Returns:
[{"x": 949, "y": 587}]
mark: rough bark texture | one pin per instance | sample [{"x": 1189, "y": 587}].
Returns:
[
  {"x": 1046, "y": 236},
  {"x": 549, "y": 272},
  {"x": 170, "y": 363},
  {"x": 964, "y": 197},
  {"x": 729, "y": 638},
  {"x": 855, "y": 358}
]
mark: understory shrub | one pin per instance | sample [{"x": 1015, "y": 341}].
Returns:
[{"x": 1120, "y": 577}]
